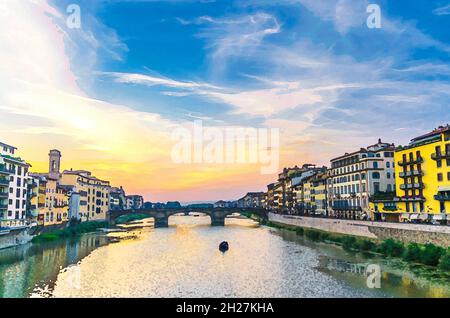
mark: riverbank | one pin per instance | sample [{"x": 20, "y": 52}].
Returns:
[
  {"x": 72, "y": 230},
  {"x": 406, "y": 233},
  {"x": 424, "y": 254}
]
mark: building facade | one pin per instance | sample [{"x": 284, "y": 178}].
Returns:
[
  {"x": 15, "y": 170},
  {"x": 56, "y": 203},
  {"x": 93, "y": 192},
  {"x": 423, "y": 180},
  {"x": 355, "y": 177},
  {"x": 135, "y": 202}
]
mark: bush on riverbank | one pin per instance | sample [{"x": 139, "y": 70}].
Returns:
[
  {"x": 427, "y": 254},
  {"x": 444, "y": 261},
  {"x": 73, "y": 230},
  {"x": 391, "y": 248}
]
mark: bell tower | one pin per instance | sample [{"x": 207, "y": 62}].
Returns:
[{"x": 54, "y": 161}]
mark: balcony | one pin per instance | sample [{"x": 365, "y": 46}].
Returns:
[
  {"x": 3, "y": 170},
  {"x": 4, "y": 182},
  {"x": 3, "y": 206},
  {"x": 416, "y": 185},
  {"x": 410, "y": 173},
  {"x": 440, "y": 156},
  {"x": 410, "y": 162},
  {"x": 442, "y": 197},
  {"x": 4, "y": 195},
  {"x": 410, "y": 199}
]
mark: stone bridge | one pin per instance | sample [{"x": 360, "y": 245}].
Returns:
[{"x": 161, "y": 216}]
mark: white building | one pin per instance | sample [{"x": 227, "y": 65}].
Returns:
[
  {"x": 17, "y": 172},
  {"x": 354, "y": 177}
]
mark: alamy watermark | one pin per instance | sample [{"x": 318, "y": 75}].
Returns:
[
  {"x": 372, "y": 272},
  {"x": 374, "y": 19},
  {"x": 74, "y": 16},
  {"x": 227, "y": 145}
]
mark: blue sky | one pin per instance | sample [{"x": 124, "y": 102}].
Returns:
[
  {"x": 246, "y": 46},
  {"x": 311, "y": 68}
]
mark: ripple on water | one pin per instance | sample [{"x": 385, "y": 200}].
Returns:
[{"x": 184, "y": 261}]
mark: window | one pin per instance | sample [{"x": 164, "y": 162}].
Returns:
[
  {"x": 388, "y": 175},
  {"x": 448, "y": 176},
  {"x": 389, "y": 188},
  {"x": 439, "y": 163},
  {"x": 440, "y": 178},
  {"x": 376, "y": 175},
  {"x": 388, "y": 164},
  {"x": 375, "y": 165}
]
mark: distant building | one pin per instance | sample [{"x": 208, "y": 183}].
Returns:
[
  {"x": 117, "y": 199},
  {"x": 225, "y": 204},
  {"x": 173, "y": 205},
  {"x": 251, "y": 200},
  {"x": 135, "y": 202}
]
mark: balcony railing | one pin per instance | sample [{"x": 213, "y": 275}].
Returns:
[
  {"x": 406, "y": 174},
  {"x": 440, "y": 155},
  {"x": 410, "y": 198},
  {"x": 4, "y": 170},
  {"x": 3, "y": 206},
  {"x": 410, "y": 162},
  {"x": 442, "y": 197},
  {"x": 4, "y": 182},
  {"x": 4, "y": 195},
  {"x": 417, "y": 185}
]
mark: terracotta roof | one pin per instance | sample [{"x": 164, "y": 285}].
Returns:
[{"x": 437, "y": 131}]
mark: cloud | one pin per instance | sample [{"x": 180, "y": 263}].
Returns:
[{"x": 445, "y": 10}]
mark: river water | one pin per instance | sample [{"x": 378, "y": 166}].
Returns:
[{"x": 184, "y": 261}]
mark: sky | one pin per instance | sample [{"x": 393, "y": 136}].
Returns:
[{"x": 111, "y": 93}]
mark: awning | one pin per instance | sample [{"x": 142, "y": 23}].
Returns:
[
  {"x": 405, "y": 216},
  {"x": 439, "y": 217},
  {"x": 414, "y": 216},
  {"x": 424, "y": 216},
  {"x": 443, "y": 188}
]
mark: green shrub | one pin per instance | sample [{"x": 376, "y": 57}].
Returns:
[
  {"x": 444, "y": 261},
  {"x": 312, "y": 235},
  {"x": 348, "y": 242},
  {"x": 335, "y": 238},
  {"x": 365, "y": 245},
  {"x": 324, "y": 236},
  {"x": 412, "y": 252},
  {"x": 300, "y": 231},
  {"x": 431, "y": 254},
  {"x": 391, "y": 247}
]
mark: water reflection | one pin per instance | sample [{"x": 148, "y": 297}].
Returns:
[
  {"x": 25, "y": 268},
  {"x": 184, "y": 261}
]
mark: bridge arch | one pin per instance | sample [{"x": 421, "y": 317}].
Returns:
[{"x": 161, "y": 216}]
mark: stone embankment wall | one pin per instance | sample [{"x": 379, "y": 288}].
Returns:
[
  {"x": 15, "y": 237},
  {"x": 376, "y": 230}
]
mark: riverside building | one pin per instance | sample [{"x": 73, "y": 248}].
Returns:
[
  {"x": 13, "y": 180},
  {"x": 423, "y": 180},
  {"x": 356, "y": 176},
  {"x": 93, "y": 194}
]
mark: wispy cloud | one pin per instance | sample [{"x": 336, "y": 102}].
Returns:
[{"x": 445, "y": 10}]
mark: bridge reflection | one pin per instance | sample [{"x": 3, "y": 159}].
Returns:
[{"x": 161, "y": 216}]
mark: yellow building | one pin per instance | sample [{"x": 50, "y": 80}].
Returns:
[
  {"x": 56, "y": 204},
  {"x": 422, "y": 174},
  {"x": 319, "y": 197},
  {"x": 94, "y": 194}
]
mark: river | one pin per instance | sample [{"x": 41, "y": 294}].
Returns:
[{"x": 184, "y": 261}]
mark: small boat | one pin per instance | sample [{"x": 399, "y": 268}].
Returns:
[{"x": 223, "y": 247}]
